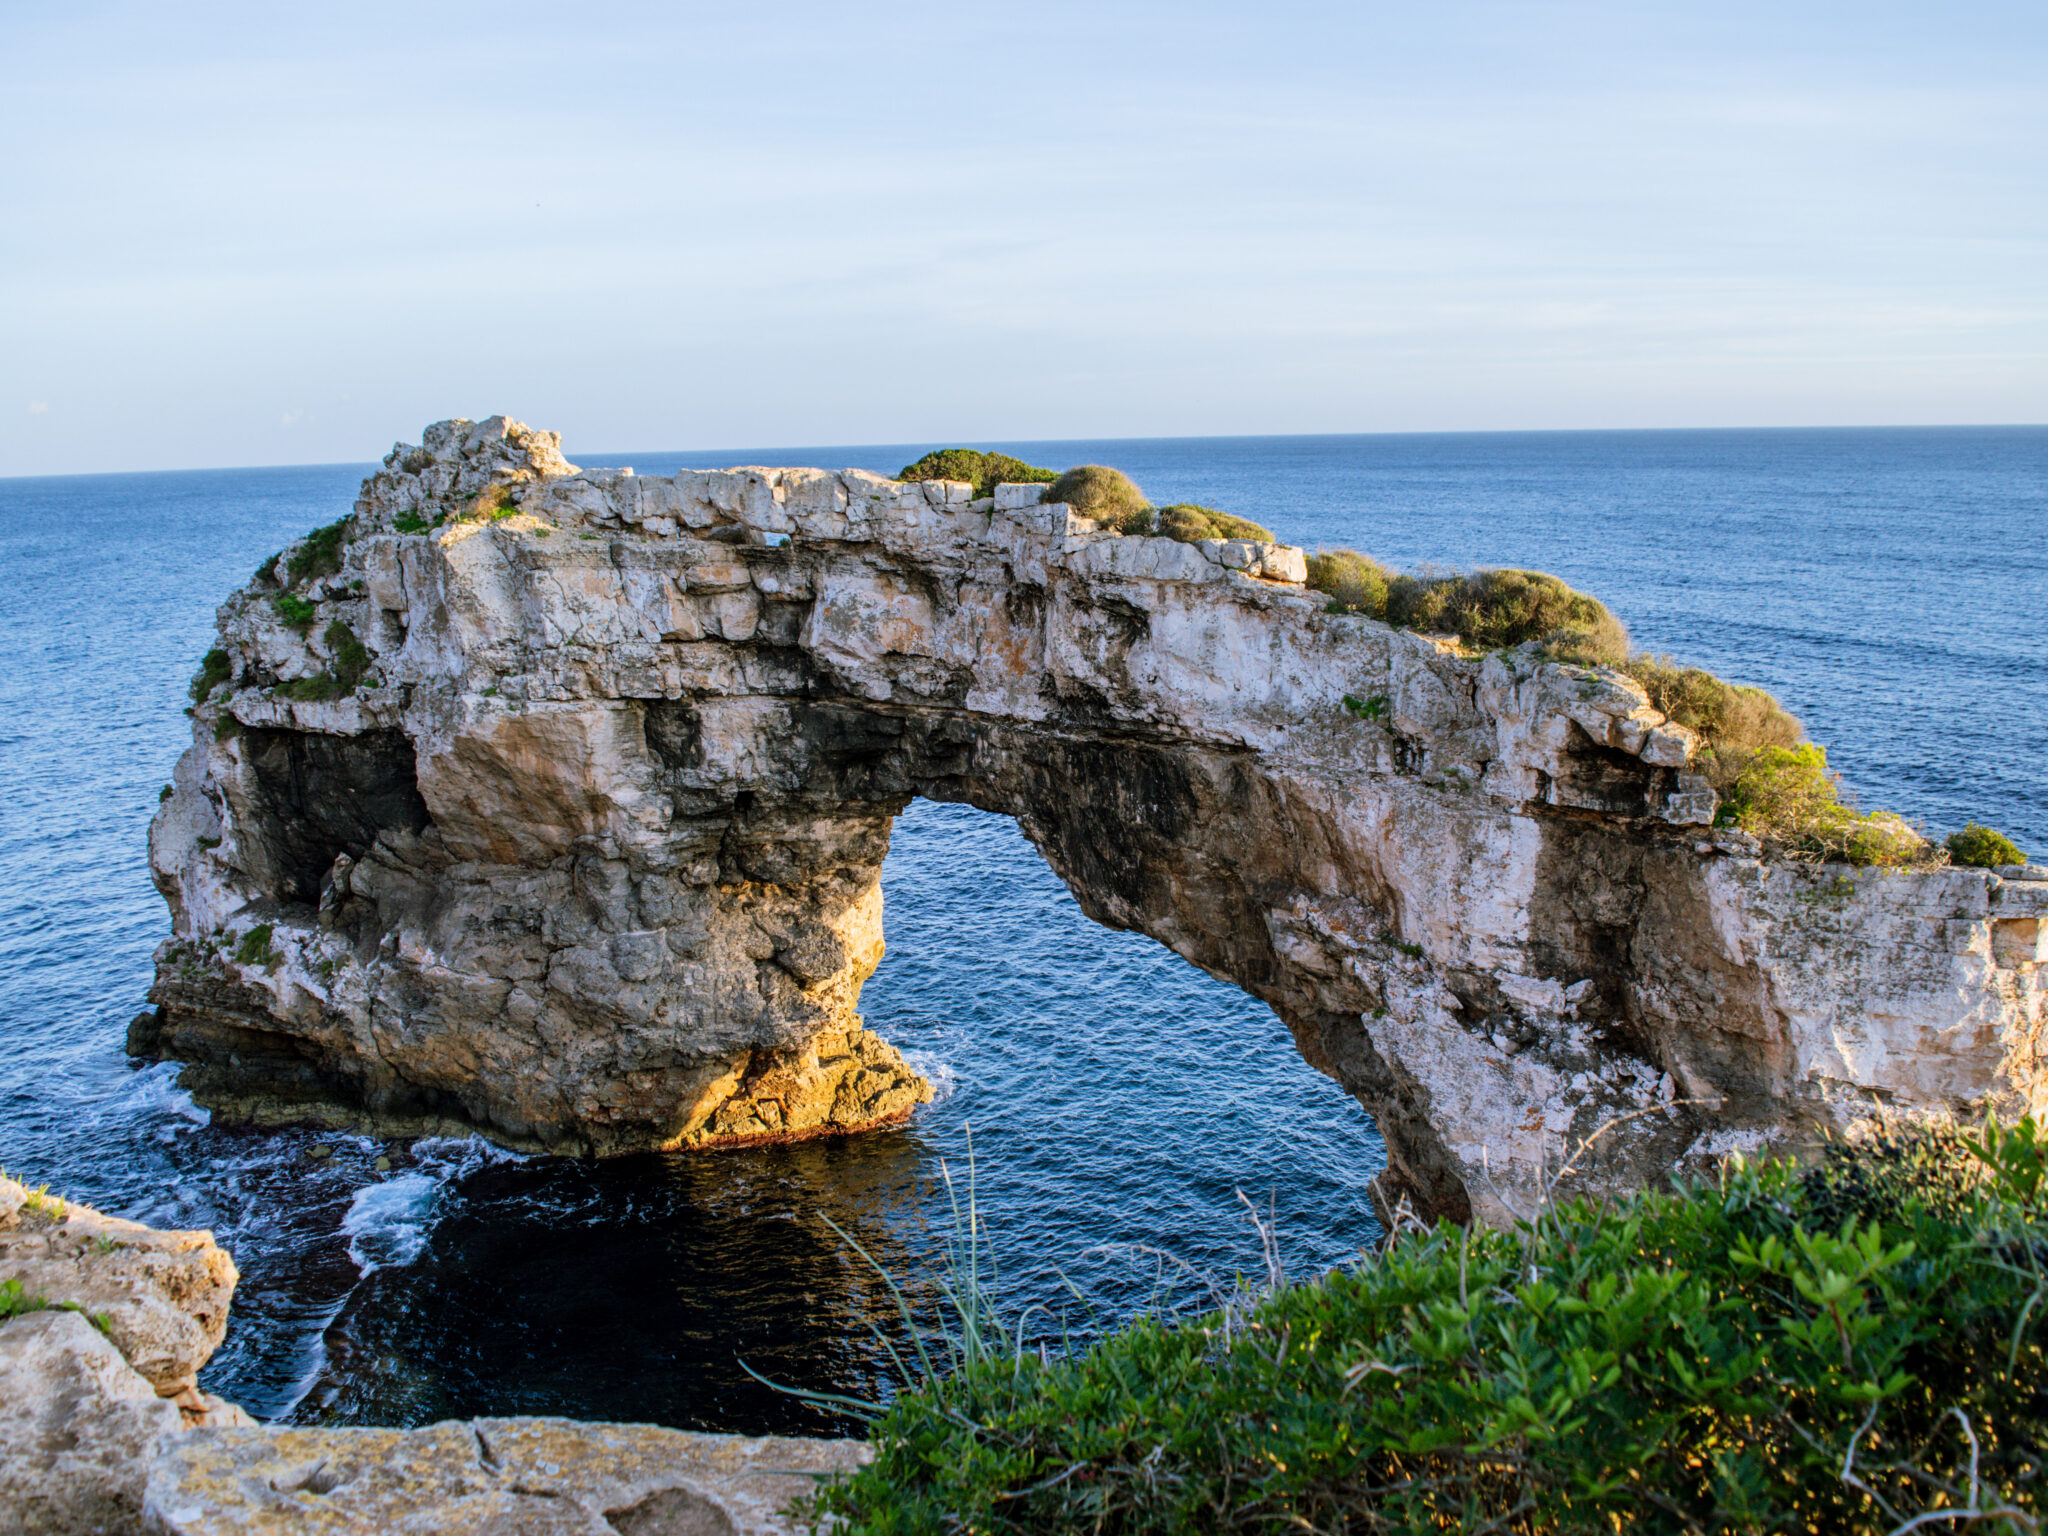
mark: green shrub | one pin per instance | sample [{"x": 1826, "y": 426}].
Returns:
[
  {"x": 1494, "y": 609},
  {"x": 294, "y": 610},
  {"x": 1765, "y": 1351},
  {"x": 226, "y": 727},
  {"x": 1981, "y": 848},
  {"x": 412, "y": 522},
  {"x": 1787, "y": 793},
  {"x": 1734, "y": 722},
  {"x": 983, "y": 471},
  {"x": 494, "y": 503},
  {"x": 1788, "y": 796},
  {"x": 318, "y": 553},
  {"x": 351, "y": 656},
  {"x": 1191, "y": 524},
  {"x": 1488, "y": 610},
  {"x": 1354, "y": 583},
  {"x": 255, "y": 948},
  {"x": 321, "y": 688},
  {"x": 1108, "y": 495},
  {"x": 216, "y": 669}
]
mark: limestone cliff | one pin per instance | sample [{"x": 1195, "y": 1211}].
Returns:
[{"x": 553, "y": 803}]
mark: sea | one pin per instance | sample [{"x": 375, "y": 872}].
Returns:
[{"x": 1114, "y": 1130}]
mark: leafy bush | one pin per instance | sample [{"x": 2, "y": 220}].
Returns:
[
  {"x": 1108, "y": 495},
  {"x": 294, "y": 610},
  {"x": 412, "y": 522},
  {"x": 1982, "y": 848},
  {"x": 1354, "y": 583},
  {"x": 1769, "y": 1350},
  {"x": 1191, "y": 524},
  {"x": 1488, "y": 610},
  {"x": 351, "y": 659},
  {"x": 318, "y": 553},
  {"x": 1788, "y": 796},
  {"x": 983, "y": 471},
  {"x": 1734, "y": 722},
  {"x": 216, "y": 669}
]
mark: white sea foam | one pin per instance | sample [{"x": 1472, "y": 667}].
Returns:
[
  {"x": 153, "y": 1095},
  {"x": 388, "y": 1223},
  {"x": 938, "y": 1070}
]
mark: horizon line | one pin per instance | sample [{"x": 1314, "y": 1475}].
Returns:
[{"x": 617, "y": 459}]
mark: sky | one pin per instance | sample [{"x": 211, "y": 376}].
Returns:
[{"x": 270, "y": 234}]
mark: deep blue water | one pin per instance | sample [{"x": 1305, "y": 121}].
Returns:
[{"x": 1887, "y": 585}]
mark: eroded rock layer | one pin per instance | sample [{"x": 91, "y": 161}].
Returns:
[{"x": 553, "y": 803}]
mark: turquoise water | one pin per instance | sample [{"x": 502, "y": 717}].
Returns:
[{"x": 1888, "y": 585}]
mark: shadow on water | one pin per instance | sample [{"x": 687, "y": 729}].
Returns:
[{"x": 640, "y": 1284}]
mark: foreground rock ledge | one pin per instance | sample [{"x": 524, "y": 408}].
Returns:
[
  {"x": 103, "y": 1431},
  {"x": 492, "y": 1477},
  {"x": 556, "y": 809}
]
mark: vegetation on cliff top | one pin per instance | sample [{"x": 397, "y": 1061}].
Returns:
[
  {"x": 1772, "y": 783},
  {"x": 1189, "y": 523},
  {"x": 983, "y": 471},
  {"x": 1486, "y": 609},
  {"x": 1982, "y": 848},
  {"x": 1854, "y": 1346},
  {"x": 1107, "y": 495}
]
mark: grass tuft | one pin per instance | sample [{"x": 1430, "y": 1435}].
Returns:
[
  {"x": 255, "y": 949},
  {"x": 216, "y": 669}
]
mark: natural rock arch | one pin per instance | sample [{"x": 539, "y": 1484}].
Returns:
[{"x": 562, "y": 817}]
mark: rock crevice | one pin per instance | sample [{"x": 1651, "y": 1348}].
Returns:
[{"x": 603, "y": 815}]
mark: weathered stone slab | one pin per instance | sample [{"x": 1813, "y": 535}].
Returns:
[
  {"x": 163, "y": 1296},
  {"x": 78, "y": 1429},
  {"x": 490, "y": 1477}
]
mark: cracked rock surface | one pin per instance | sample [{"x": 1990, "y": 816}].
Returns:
[
  {"x": 552, "y": 804},
  {"x": 492, "y": 1477}
]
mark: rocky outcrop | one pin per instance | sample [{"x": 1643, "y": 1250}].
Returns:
[
  {"x": 553, "y": 804},
  {"x": 103, "y": 1431},
  {"x": 98, "y": 1364},
  {"x": 504, "y": 1477}
]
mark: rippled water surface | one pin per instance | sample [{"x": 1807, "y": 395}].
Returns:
[{"x": 1887, "y": 585}]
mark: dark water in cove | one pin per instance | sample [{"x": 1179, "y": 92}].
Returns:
[{"x": 1889, "y": 586}]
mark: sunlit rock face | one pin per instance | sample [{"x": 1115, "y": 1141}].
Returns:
[{"x": 588, "y": 856}]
